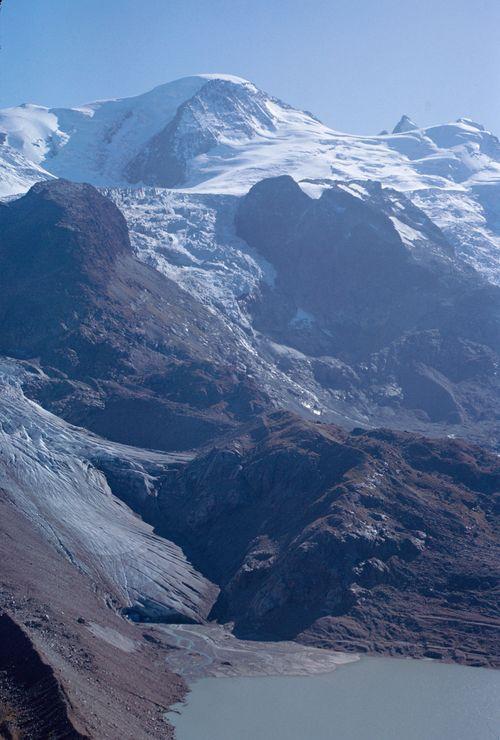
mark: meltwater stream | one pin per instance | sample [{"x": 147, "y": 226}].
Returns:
[{"x": 371, "y": 699}]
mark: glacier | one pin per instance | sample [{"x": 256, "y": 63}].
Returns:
[
  {"x": 51, "y": 472},
  {"x": 224, "y": 135}
]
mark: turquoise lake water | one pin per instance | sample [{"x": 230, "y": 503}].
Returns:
[{"x": 372, "y": 699}]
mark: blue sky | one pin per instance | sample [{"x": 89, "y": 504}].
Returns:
[{"x": 357, "y": 64}]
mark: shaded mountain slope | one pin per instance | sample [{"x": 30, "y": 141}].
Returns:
[
  {"x": 342, "y": 260},
  {"x": 348, "y": 351},
  {"x": 369, "y": 541},
  {"x": 116, "y": 339},
  {"x": 368, "y": 290}
]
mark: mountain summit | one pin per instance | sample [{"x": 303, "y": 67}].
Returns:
[
  {"x": 217, "y": 133},
  {"x": 404, "y": 124},
  {"x": 151, "y": 138}
]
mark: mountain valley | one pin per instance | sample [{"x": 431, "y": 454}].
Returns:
[{"x": 249, "y": 374}]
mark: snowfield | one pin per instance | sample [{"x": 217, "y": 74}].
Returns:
[{"x": 222, "y": 135}]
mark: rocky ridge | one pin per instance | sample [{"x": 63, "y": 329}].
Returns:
[{"x": 367, "y": 541}]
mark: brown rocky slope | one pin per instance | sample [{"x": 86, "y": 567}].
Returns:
[{"x": 373, "y": 541}]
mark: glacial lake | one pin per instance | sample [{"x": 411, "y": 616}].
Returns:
[{"x": 371, "y": 699}]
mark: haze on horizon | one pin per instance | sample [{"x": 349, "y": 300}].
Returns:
[{"x": 355, "y": 64}]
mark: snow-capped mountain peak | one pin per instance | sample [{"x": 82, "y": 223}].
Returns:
[
  {"x": 225, "y": 78},
  {"x": 219, "y": 134},
  {"x": 104, "y": 141},
  {"x": 469, "y": 122},
  {"x": 404, "y": 124},
  {"x": 222, "y": 112},
  {"x": 95, "y": 141}
]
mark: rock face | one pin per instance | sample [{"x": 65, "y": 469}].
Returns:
[
  {"x": 222, "y": 110},
  {"x": 371, "y": 283},
  {"x": 118, "y": 341},
  {"x": 340, "y": 261},
  {"x": 368, "y": 541},
  {"x": 404, "y": 125}
]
